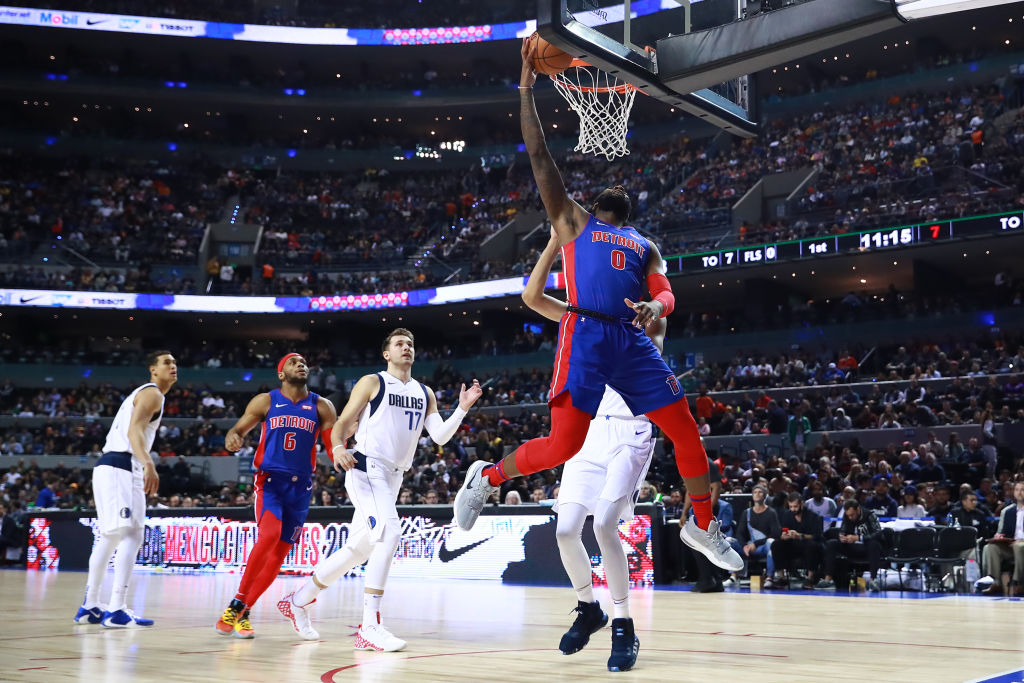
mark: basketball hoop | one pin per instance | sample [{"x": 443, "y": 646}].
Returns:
[{"x": 602, "y": 102}]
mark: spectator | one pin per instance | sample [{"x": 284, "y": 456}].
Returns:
[
  {"x": 11, "y": 539},
  {"x": 942, "y": 508},
  {"x": 513, "y": 498},
  {"x": 48, "y": 494},
  {"x": 1007, "y": 544},
  {"x": 801, "y": 538},
  {"x": 860, "y": 538},
  {"x": 971, "y": 513},
  {"x": 756, "y": 530},
  {"x": 820, "y": 504},
  {"x": 910, "y": 508},
  {"x": 882, "y": 504}
]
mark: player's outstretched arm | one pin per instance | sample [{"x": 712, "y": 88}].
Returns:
[
  {"x": 255, "y": 413},
  {"x": 662, "y": 300},
  {"x": 362, "y": 393},
  {"x": 534, "y": 296},
  {"x": 146, "y": 407},
  {"x": 566, "y": 216},
  {"x": 441, "y": 431}
]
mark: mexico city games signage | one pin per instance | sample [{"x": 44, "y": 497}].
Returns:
[{"x": 514, "y": 548}]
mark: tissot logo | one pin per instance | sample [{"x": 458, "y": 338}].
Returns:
[{"x": 98, "y": 301}]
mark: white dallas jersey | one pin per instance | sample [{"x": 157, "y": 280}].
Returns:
[
  {"x": 390, "y": 425},
  {"x": 612, "y": 405},
  {"x": 117, "y": 437}
]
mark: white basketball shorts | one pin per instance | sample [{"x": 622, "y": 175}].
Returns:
[
  {"x": 373, "y": 491},
  {"x": 119, "y": 493},
  {"x": 611, "y": 465}
]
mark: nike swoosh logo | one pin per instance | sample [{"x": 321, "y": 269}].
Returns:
[
  {"x": 280, "y": 405},
  {"x": 93, "y": 22},
  {"x": 642, "y": 431},
  {"x": 446, "y": 555},
  {"x": 26, "y": 299}
]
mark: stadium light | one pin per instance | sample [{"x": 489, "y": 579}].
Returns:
[{"x": 921, "y": 9}]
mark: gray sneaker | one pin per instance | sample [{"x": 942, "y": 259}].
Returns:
[
  {"x": 825, "y": 585},
  {"x": 470, "y": 499},
  {"x": 711, "y": 544}
]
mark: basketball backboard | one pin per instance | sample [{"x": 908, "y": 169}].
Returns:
[
  {"x": 608, "y": 37},
  {"x": 706, "y": 68}
]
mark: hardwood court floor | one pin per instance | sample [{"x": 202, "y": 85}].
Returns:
[{"x": 480, "y": 631}]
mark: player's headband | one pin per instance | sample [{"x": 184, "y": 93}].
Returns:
[{"x": 284, "y": 359}]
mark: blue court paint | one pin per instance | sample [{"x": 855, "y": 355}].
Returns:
[{"x": 1015, "y": 676}]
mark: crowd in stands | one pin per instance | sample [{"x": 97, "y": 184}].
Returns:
[
  {"x": 912, "y": 158},
  {"x": 986, "y": 390},
  {"x": 106, "y": 210},
  {"x": 915, "y": 157}
]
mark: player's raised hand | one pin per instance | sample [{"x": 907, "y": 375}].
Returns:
[
  {"x": 232, "y": 442},
  {"x": 646, "y": 311},
  {"x": 343, "y": 459},
  {"x": 528, "y": 76},
  {"x": 467, "y": 397}
]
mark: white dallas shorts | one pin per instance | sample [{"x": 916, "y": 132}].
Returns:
[
  {"x": 611, "y": 465},
  {"x": 119, "y": 493},
  {"x": 373, "y": 486}
]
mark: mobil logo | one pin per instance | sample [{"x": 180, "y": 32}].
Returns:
[{"x": 58, "y": 18}]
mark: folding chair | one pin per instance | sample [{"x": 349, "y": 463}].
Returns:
[
  {"x": 915, "y": 544},
  {"x": 952, "y": 542}
]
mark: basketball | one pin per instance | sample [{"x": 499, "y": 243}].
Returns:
[{"x": 548, "y": 59}]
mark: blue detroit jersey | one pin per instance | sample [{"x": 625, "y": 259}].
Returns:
[
  {"x": 288, "y": 443},
  {"x": 603, "y": 266}
]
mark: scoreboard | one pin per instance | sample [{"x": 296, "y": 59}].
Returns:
[{"x": 851, "y": 242}]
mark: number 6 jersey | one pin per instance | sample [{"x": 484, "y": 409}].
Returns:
[
  {"x": 391, "y": 423},
  {"x": 288, "y": 442}
]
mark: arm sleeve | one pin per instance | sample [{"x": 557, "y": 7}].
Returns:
[
  {"x": 661, "y": 291},
  {"x": 443, "y": 430}
]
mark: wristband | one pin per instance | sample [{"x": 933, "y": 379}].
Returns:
[{"x": 336, "y": 448}]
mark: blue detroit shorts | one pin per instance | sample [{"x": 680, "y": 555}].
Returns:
[
  {"x": 287, "y": 497},
  {"x": 592, "y": 353}
]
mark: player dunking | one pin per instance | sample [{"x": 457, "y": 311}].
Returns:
[
  {"x": 123, "y": 477},
  {"x": 604, "y": 480},
  {"x": 606, "y": 264},
  {"x": 392, "y": 410},
  {"x": 293, "y": 417}
]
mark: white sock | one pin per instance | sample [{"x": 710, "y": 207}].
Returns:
[
  {"x": 371, "y": 608},
  {"x": 620, "y": 608},
  {"x": 98, "y": 562},
  {"x": 575, "y": 558},
  {"x": 307, "y": 593},
  {"x": 124, "y": 563},
  {"x": 585, "y": 594}
]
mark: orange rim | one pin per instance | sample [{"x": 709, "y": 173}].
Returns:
[{"x": 621, "y": 89}]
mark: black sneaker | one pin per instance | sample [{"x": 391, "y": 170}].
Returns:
[
  {"x": 591, "y": 619},
  {"x": 708, "y": 587},
  {"x": 625, "y": 645}
]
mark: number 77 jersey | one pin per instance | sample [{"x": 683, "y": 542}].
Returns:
[{"x": 391, "y": 423}]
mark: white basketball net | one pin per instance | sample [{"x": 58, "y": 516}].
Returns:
[{"x": 603, "y": 103}]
